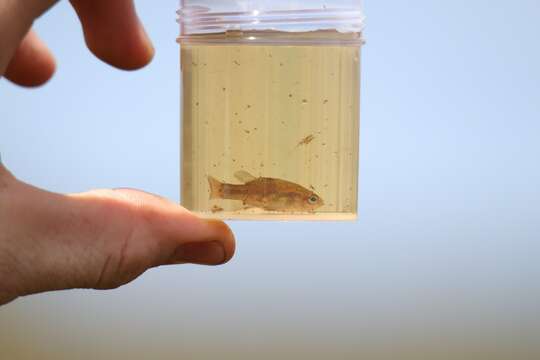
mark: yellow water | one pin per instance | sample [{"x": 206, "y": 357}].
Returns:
[{"x": 249, "y": 107}]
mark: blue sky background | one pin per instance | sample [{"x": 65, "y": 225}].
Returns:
[{"x": 444, "y": 257}]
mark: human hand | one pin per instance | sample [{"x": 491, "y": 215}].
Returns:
[{"x": 104, "y": 238}]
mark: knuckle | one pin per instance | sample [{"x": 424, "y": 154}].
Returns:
[{"x": 127, "y": 242}]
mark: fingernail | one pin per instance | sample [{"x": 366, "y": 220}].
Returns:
[{"x": 204, "y": 253}]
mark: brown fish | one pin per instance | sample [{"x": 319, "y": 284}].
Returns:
[{"x": 266, "y": 193}]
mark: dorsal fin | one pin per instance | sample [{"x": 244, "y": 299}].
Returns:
[{"x": 244, "y": 176}]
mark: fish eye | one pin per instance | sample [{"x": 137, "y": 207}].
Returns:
[{"x": 313, "y": 199}]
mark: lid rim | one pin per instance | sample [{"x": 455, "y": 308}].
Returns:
[
  {"x": 190, "y": 11},
  {"x": 197, "y": 19}
]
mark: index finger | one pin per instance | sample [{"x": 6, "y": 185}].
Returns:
[{"x": 114, "y": 33}]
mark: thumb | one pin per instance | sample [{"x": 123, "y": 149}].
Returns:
[{"x": 101, "y": 239}]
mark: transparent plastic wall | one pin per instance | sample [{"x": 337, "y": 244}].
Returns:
[
  {"x": 203, "y": 16},
  {"x": 270, "y": 108}
]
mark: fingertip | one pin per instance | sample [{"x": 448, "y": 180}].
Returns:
[
  {"x": 129, "y": 53},
  {"x": 225, "y": 237},
  {"x": 114, "y": 33},
  {"x": 32, "y": 64},
  {"x": 214, "y": 245}
]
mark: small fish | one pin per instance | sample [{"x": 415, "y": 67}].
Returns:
[{"x": 266, "y": 193}]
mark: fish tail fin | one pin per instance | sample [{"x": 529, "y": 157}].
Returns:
[{"x": 216, "y": 188}]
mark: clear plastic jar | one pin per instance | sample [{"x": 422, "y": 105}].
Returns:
[{"x": 270, "y": 108}]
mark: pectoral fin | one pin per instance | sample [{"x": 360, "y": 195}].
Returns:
[{"x": 244, "y": 176}]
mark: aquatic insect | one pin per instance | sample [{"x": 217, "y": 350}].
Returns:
[
  {"x": 266, "y": 193},
  {"x": 305, "y": 141}
]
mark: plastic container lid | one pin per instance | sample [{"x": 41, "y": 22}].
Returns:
[{"x": 216, "y": 16}]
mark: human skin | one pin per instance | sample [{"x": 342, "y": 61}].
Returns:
[{"x": 100, "y": 239}]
